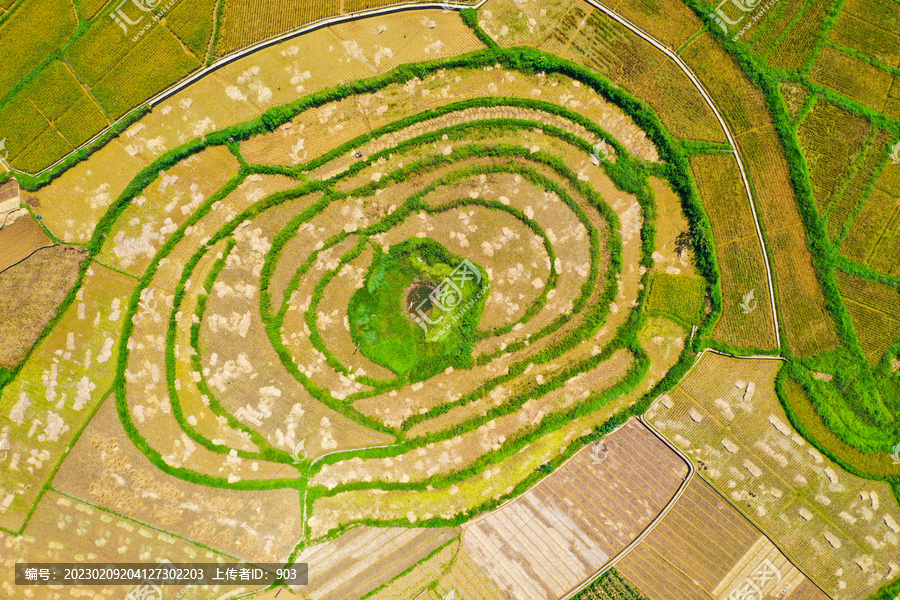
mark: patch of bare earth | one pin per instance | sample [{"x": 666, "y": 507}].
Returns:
[{"x": 31, "y": 293}]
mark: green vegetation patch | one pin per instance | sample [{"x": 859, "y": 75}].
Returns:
[
  {"x": 859, "y": 403},
  {"x": 806, "y": 420},
  {"x": 418, "y": 311},
  {"x": 54, "y": 89},
  {"x": 192, "y": 22},
  {"x": 82, "y": 121},
  {"x": 32, "y": 34},
  {"x": 158, "y": 60},
  {"x": 678, "y": 296},
  {"x": 610, "y": 586}
]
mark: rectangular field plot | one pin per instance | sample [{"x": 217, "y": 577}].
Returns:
[
  {"x": 839, "y": 529},
  {"x": 57, "y": 390},
  {"x": 704, "y": 548},
  {"x": 105, "y": 468},
  {"x": 366, "y": 558},
  {"x": 63, "y": 529},
  {"x": 851, "y": 77},
  {"x": 32, "y": 292},
  {"x": 19, "y": 238},
  {"x": 875, "y": 311},
  {"x": 874, "y": 237},
  {"x": 883, "y": 15},
  {"x": 859, "y": 186},
  {"x": 830, "y": 138},
  {"x": 558, "y": 534},
  {"x": 740, "y": 256}
]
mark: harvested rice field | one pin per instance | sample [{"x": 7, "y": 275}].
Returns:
[{"x": 522, "y": 300}]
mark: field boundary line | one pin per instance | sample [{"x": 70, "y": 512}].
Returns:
[
  {"x": 303, "y": 518},
  {"x": 33, "y": 252},
  {"x": 131, "y": 519},
  {"x": 764, "y": 534},
  {"x": 656, "y": 520},
  {"x": 709, "y": 484},
  {"x": 226, "y": 60},
  {"x": 729, "y": 136}
]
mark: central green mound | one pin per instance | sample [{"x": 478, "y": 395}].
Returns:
[{"x": 419, "y": 309}]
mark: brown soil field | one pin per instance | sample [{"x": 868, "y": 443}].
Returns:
[
  {"x": 413, "y": 583},
  {"x": 555, "y": 536},
  {"x": 63, "y": 529},
  {"x": 720, "y": 555},
  {"x": 337, "y": 571},
  {"x": 57, "y": 389},
  {"x": 20, "y": 238},
  {"x": 32, "y": 292},
  {"x": 836, "y": 527},
  {"x": 105, "y": 468}
]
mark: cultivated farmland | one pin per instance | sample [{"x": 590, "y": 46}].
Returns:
[
  {"x": 839, "y": 529},
  {"x": 720, "y": 556},
  {"x": 410, "y": 298}
]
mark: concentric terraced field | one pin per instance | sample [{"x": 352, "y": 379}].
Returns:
[
  {"x": 396, "y": 302},
  {"x": 270, "y": 333}
]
